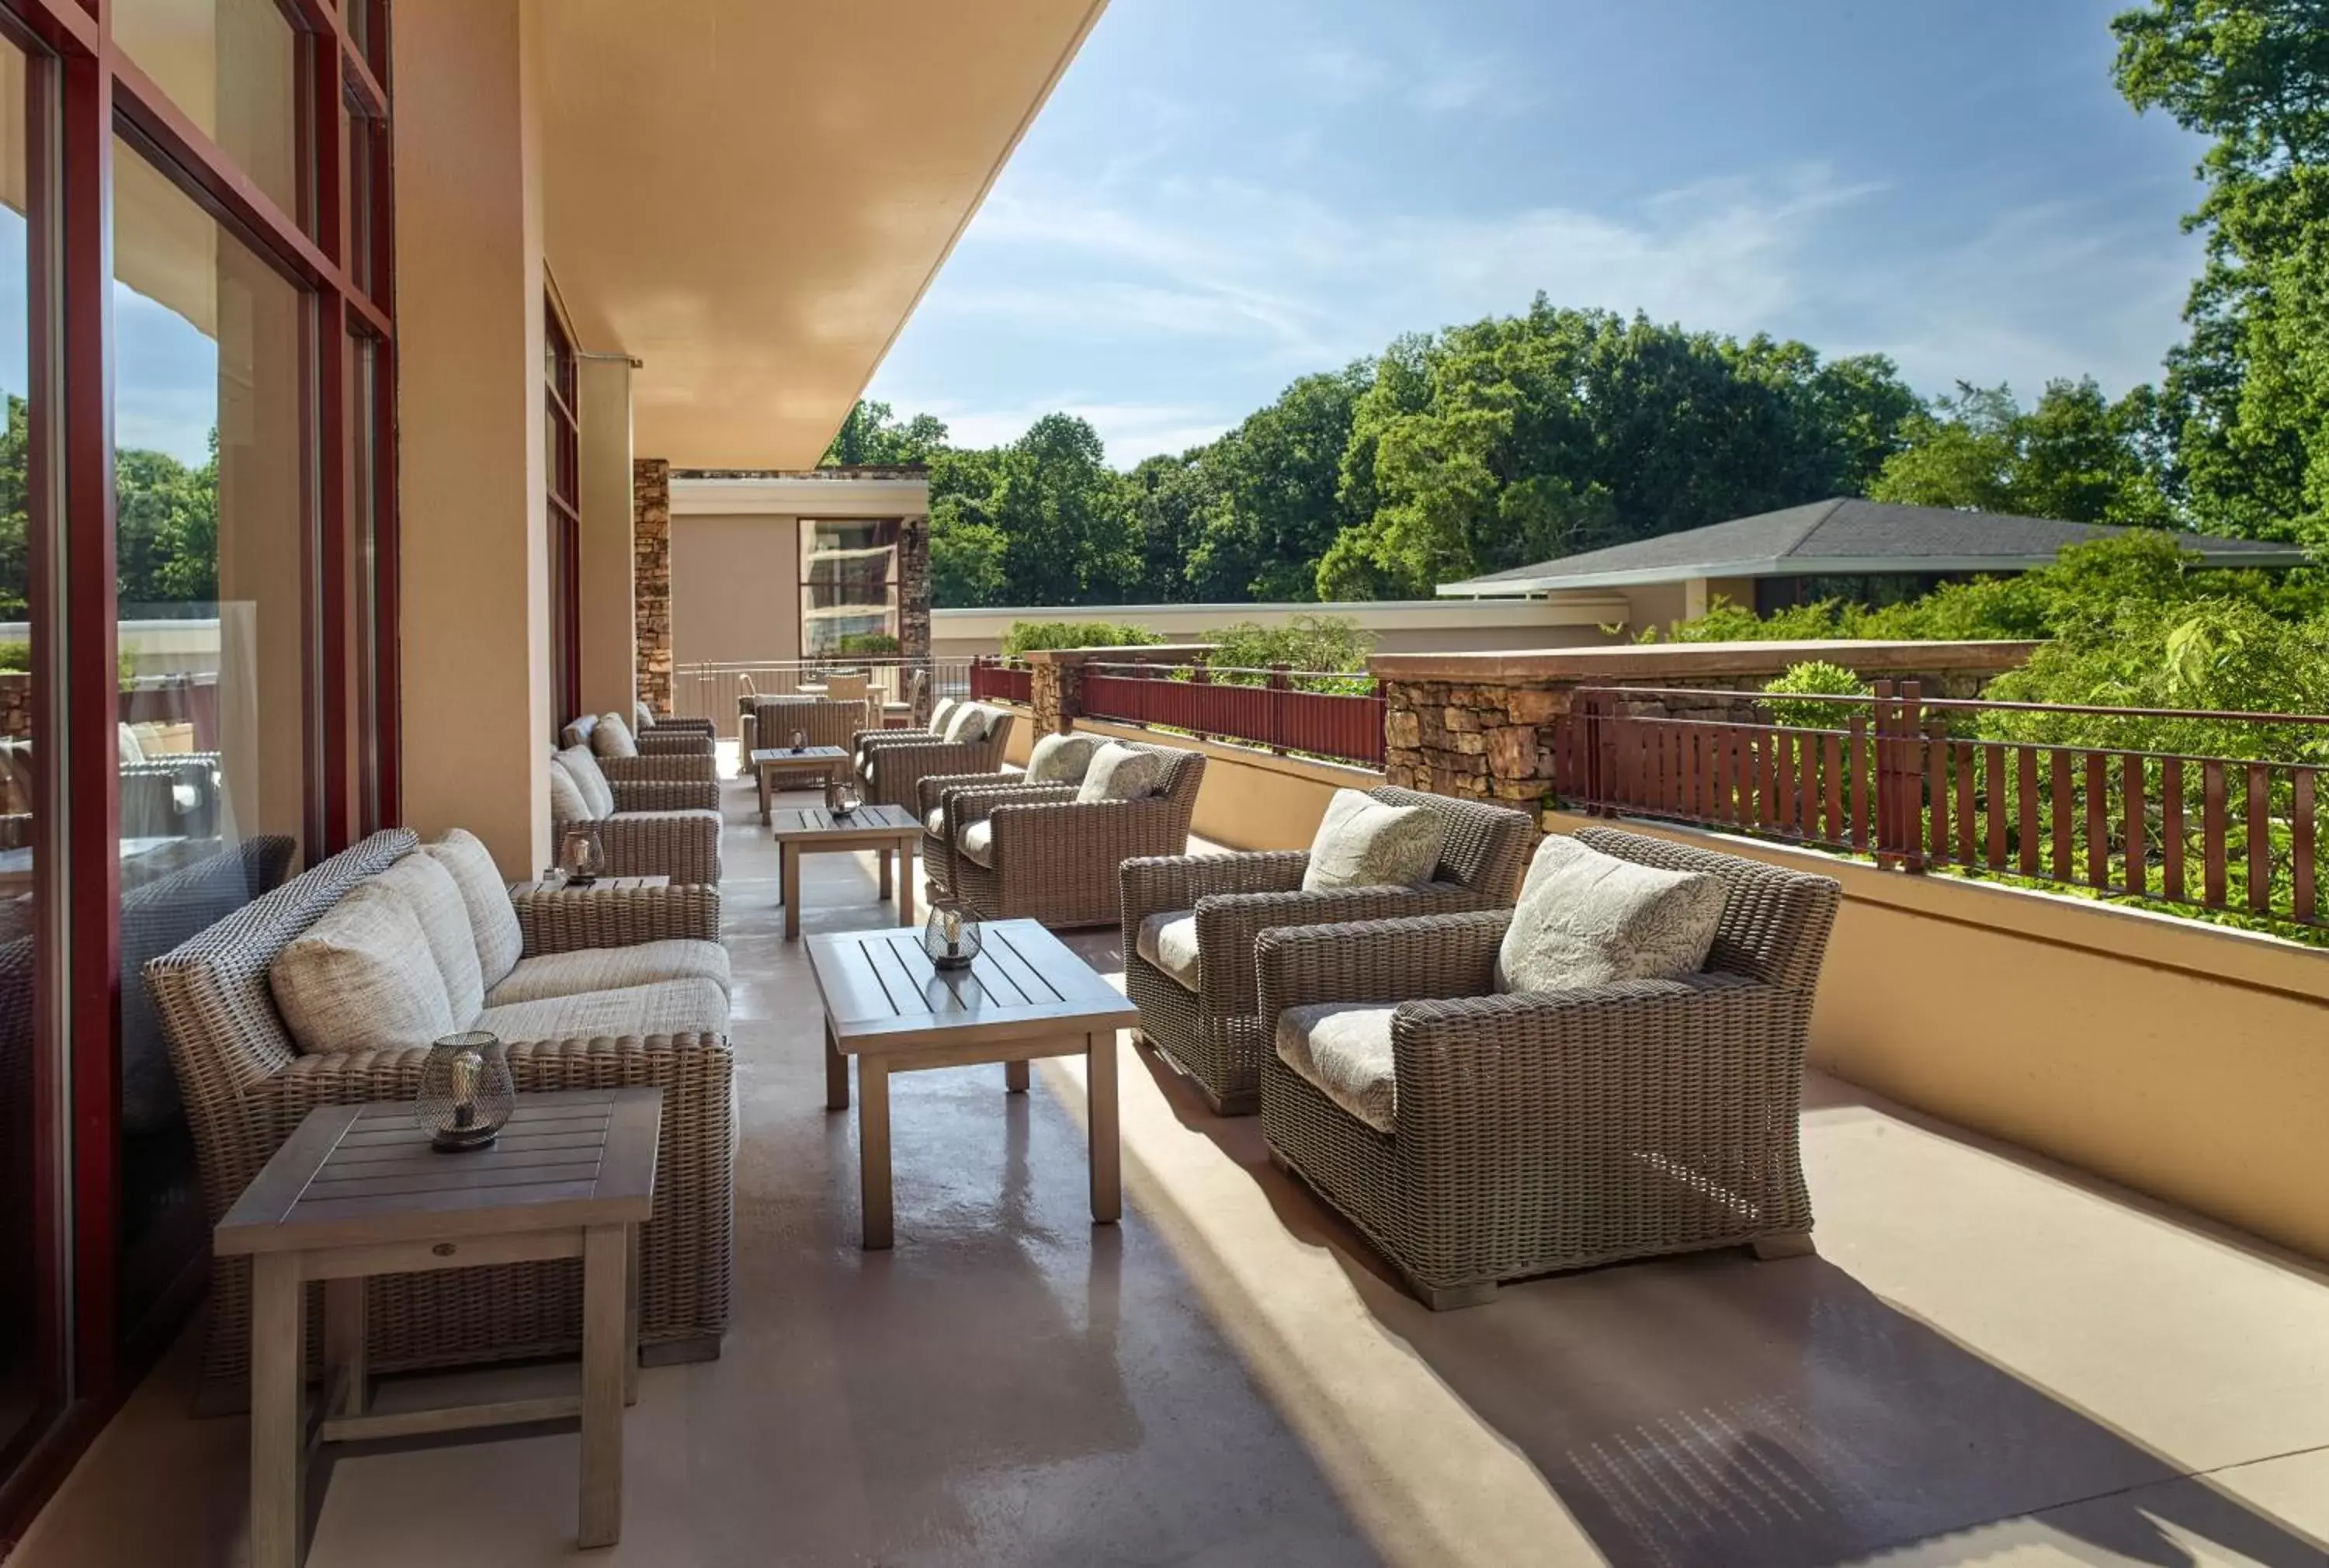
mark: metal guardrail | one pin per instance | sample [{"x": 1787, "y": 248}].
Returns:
[{"x": 717, "y": 692}]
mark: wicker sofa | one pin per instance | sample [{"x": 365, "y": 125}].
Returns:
[
  {"x": 1559, "y": 1129},
  {"x": 649, "y": 827},
  {"x": 692, "y": 751},
  {"x": 247, "y": 1086},
  {"x": 895, "y": 762},
  {"x": 1045, "y": 855},
  {"x": 1208, "y": 1019}
]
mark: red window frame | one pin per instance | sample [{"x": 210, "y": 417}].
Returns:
[
  {"x": 87, "y": 89},
  {"x": 562, "y": 430}
]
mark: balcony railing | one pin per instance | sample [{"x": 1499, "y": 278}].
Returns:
[
  {"x": 991, "y": 681},
  {"x": 715, "y": 690},
  {"x": 1898, "y": 777},
  {"x": 1280, "y": 709}
]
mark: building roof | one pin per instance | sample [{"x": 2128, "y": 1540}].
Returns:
[{"x": 1844, "y": 538}]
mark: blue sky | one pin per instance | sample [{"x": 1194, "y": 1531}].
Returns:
[{"x": 1221, "y": 197}]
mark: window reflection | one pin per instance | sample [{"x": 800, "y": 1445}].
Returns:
[
  {"x": 211, "y": 730},
  {"x": 849, "y": 587},
  {"x": 233, "y": 68}
]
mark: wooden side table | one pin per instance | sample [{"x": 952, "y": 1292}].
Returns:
[
  {"x": 358, "y": 1192},
  {"x": 603, "y": 884},
  {"x": 891, "y": 831},
  {"x": 825, "y": 760}
]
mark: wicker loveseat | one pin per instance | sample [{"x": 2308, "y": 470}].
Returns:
[
  {"x": 649, "y": 827},
  {"x": 894, "y": 762},
  {"x": 1044, "y": 855},
  {"x": 682, "y": 753},
  {"x": 247, "y": 1086},
  {"x": 1208, "y": 1019},
  {"x": 1535, "y": 1133}
]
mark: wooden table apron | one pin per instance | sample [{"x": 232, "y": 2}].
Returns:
[
  {"x": 768, "y": 762},
  {"x": 888, "y": 831},
  {"x": 1028, "y": 996},
  {"x": 356, "y": 1191}
]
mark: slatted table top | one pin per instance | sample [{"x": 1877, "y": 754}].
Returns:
[
  {"x": 881, "y": 991},
  {"x": 779, "y": 755},
  {"x": 883, "y": 822},
  {"x": 359, "y": 1175},
  {"x": 602, "y": 885}
]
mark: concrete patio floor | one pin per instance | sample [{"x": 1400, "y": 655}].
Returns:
[{"x": 1993, "y": 1361}]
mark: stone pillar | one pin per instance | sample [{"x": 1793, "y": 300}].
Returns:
[
  {"x": 472, "y": 459},
  {"x": 914, "y": 600},
  {"x": 651, "y": 579}
]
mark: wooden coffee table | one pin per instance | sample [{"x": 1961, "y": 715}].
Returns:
[
  {"x": 357, "y": 1191},
  {"x": 599, "y": 884},
  {"x": 888, "y": 831},
  {"x": 1027, "y": 996},
  {"x": 825, "y": 760}
]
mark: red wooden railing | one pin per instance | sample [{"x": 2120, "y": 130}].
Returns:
[
  {"x": 993, "y": 682},
  {"x": 1891, "y": 780},
  {"x": 1267, "y": 707}
]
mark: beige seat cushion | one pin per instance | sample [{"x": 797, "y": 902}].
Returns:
[
  {"x": 492, "y": 922},
  {"x": 554, "y": 974},
  {"x": 1169, "y": 941},
  {"x": 1121, "y": 773},
  {"x": 1343, "y": 1051},
  {"x": 436, "y": 900},
  {"x": 670, "y": 1007},
  {"x": 978, "y": 841},
  {"x": 583, "y": 767},
  {"x": 1364, "y": 843},
  {"x": 1587, "y": 918},
  {"x": 362, "y": 979},
  {"x": 1062, "y": 758},
  {"x": 612, "y": 738}
]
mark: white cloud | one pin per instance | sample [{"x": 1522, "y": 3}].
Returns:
[{"x": 1131, "y": 431}]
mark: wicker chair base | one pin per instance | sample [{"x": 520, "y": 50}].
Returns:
[
  {"x": 1221, "y": 1055},
  {"x": 1247, "y": 1104}
]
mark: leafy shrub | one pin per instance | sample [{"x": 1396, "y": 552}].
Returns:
[
  {"x": 1816, "y": 677},
  {"x": 1026, "y": 635},
  {"x": 1317, "y": 644},
  {"x": 869, "y": 644}
]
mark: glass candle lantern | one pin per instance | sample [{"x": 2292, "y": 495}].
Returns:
[
  {"x": 466, "y": 1092},
  {"x": 800, "y": 739},
  {"x": 841, "y": 795},
  {"x": 581, "y": 854},
  {"x": 951, "y": 938}
]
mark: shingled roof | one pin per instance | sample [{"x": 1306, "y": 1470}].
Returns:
[{"x": 1844, "y": 538}]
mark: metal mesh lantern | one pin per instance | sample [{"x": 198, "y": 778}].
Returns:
[
  {"x": 841, "y": 795},
  {"x": 466, "y": 1092},
  {"x": 952, "y": 938},
  {"x": 581, "y": 854},
  {"x": 800, "y": 739}
]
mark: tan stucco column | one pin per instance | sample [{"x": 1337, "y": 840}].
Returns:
[
  {"x": 469, "y": 300},
  {"x": 609, "y": 647}
]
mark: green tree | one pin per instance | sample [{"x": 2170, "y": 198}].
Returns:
[
  {"x": 871, "y": 434},
  {"x": 1277, "y": 478},
  {"x": 2074, "y": 457},
  {"x": 1067, "y": 528}
]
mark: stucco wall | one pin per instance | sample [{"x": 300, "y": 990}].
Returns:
[
  {"x": 734, "y": 593},
  {"x": 2183, "y": 1060}
]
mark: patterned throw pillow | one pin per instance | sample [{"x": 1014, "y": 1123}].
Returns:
[
  {"x": 968, "y": 724},
  {"x": 940, "y": 714},
  {"x": 1586, "y": 918},
  {"x": 1364, "y": 843},
  {"x": 612, "y": 738},
  {"x": 1121, "y": 773},
  {"x": 1062, "y": 758}
]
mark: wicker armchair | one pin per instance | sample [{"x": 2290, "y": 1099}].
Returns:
[
  {"x": 644, "y": 719},
  {"x": 1213, "y": 1030},
  {"x": 1052, "y": 858},
  {"x": 898, "y": 760},
  {"x": 656, "y": 742},
  {"x": 659, "y": 828},
  {"x": 1555, "y": 1131},
  {"x": 247, "y": 1089}
]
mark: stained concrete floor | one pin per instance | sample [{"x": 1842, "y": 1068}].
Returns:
[{"x": 1994, "y": 1362}]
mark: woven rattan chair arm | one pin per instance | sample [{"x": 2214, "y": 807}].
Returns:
[
  {"x": 1160, "y": 884},
  {"x": 684, "y": 846},
  {"x": 966, "y": 804},
  {"x": 929, "y": 792},
  {"x": 658, "y": 767},
  {"x": 1081, "y": 833},
  {"x": 1377, "y": 960},
  {"x": 1230, "y": 924},
  {"x": 663, "y": 794},
  {"x": 685, "y": 726},
  {"x": 865, "y": 737},
  {"x": 661, "y": 742},
  {"x": 918, "y": 756},
  {"x": 570, "y": 919}
]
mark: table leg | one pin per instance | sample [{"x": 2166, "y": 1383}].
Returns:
[
  {"x": 884, "y": 855},
  {"x": 630, "y": 1314},
  {"x": 766, "y": 813},
  {"x": 278, "y": 1438},
  {"x": 905, "y": 881},
  {"x": 1107, "y": 1166},
  {"x": 874, "y": 1150},
  {"x": 789, "y": 866},
  {"x": 606, "y": 1257},
  {"x": 837, "y": 1073},
  {"x": 345, "y": 1367},
  {"x": 1014, "y": 1077}
]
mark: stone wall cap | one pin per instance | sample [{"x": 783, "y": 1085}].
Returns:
[
  {"x": 1142, "y": 653},
  {"x": 1658, "y": 661}
]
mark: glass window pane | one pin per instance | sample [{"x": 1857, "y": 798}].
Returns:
[
  {"x": 27, "y": 1387},
  {"x": 849, "y": 587},
  {"x": 233, "y": 68},
  {"x": 210, "y": 539}
]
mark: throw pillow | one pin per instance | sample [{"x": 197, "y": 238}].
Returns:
[
  {"x": 968, "y": 723},
  {"x": 583, "y": 767},
  {"x": 126, "y": 751},
  {"x": 492, "y": 921},
  {"x": 566, "y": 801},
  {"x": 1062, "y": 758},
  {"x": 612, "y": 738},
  {"x": 428, "y": 890},
  {"x": 362, "y": 979},
  {"x": 1121, "y": 773},
  {"x": 642, "y": 718},
  {"x": 942, "y": 713},
  {"x": 578, "y": 734},
  {"x": 1364, "y": 843},
  {"x": 1586, "y": 918}
]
